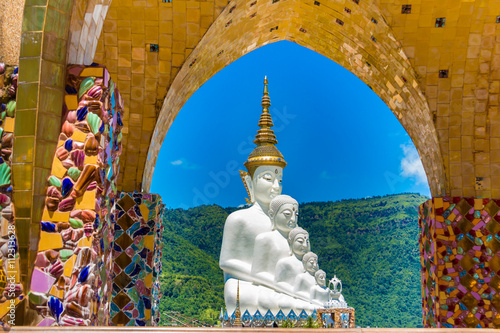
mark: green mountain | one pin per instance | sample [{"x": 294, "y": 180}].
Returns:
[{"x": 371, "y": 244}]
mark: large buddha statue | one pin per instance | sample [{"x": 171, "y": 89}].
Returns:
[
  {"x": 263, "y": 182},
  {"x": 265, "y": 256}
]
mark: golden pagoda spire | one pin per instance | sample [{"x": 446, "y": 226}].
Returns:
[
  {"x": 266, "y": 152},
  {"x": 265, "y": 136},
  {"x": 237, "y": 313}
]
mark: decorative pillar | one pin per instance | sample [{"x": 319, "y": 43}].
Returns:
[
  {"x": 137, "y": 252},
  {"x": 70, "y": 280},
  {"x": 460, "y": 258}
]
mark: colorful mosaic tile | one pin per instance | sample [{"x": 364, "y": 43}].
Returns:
[
  {"x": 70, "y": 281},
  {"x": 137, "y": 259},
  {"x": 11, "y": 288},
  {"x": 460, "y": 257}
]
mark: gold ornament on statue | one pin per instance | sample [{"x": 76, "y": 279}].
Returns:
[{"x": 266, "y": 152}]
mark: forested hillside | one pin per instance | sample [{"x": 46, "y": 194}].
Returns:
[{"x": 370, "y": 244}]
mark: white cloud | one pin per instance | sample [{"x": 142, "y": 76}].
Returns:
[
  {"x": 185, "y": 164},
  {"x": 411, "y": 165}
]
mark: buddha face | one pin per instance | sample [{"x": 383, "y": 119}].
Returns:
[
  {"x": 321, "y": 279},
  {"x": 266, "y": 183},
  {"x": 311, "y": 265},
  {"x": 300, "y": 245},
  {"x": 286, "y": 217}
]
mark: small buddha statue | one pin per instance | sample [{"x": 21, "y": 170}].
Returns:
[
  {"x": 289, "y": 267},
  {"x": 319, "y": 292},
  {"x": 305, "y": 281},
  {"x": 263, "y": 183}
]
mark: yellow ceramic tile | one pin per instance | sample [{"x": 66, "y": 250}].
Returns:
[
  {"x": 68, "y": 266},
  {"x": 58, "y": 169},
  {"x": 78, "y": 136},
  {"x": 9, "y": 125},
  {"x": 4, "y": 307},
  {"x": 92, "y": 71},
  {"x": 85, "y": 242},
  {"x": 55, "y": 216},
  {"x": 147, "y": 314},
  {"x": 71, "y": 102},
  {"x": 90, "y": 160},
  {"x": 148, "y": 280},
  {"x": 56, "y": 292},
  {"x": 149, "y": 242},
  {"x": 86, "y": 201},
  {"x": 4, "y": 226},
  {"x": 60, "y": 143},
  {"x": 49, "y": 241},
  {"x": 144, "y": 211}
]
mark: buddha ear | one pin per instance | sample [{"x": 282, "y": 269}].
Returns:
[{"x": 247, "y": 181}]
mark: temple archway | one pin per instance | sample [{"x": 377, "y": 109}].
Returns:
[{"x": 380, "y": 63}]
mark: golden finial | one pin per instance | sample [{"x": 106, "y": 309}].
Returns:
[
  {"x": 265, "y": 153},
  {"x": 237, "y": 313}
]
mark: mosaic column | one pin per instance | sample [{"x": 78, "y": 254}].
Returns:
[
  {"x": 11, "y": 289},
  {"x": 460, "y": 257},
  {"x": 137, "y": 259},
  {"x": 70, "y": 284}
]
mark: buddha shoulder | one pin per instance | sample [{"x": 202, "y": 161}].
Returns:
[{"x": 242, "y": 216}]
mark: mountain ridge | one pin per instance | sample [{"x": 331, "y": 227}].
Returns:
[{"x": 371, "y": 244}]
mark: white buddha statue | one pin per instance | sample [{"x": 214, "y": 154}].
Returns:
[
  {"x": 289, "y": 267},
  {"x": 263, "y": 183},
  {"x": 319, "y": 292},
  {"x": 305, "y": 281},
  {"x": 273, "y": 245}
]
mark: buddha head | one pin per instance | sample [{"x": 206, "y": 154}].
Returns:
[
  {"x": 265, "y": 163},
  {"x": 310, "y": 262},
  {"x": 320, "y": 277},
  {"x": 298, "y": 239},
  {"x": 284, "y": 212}
]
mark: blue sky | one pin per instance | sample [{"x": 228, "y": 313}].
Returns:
[{"x": 339, "y": 139}]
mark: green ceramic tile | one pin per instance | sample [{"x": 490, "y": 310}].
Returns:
[
  {"x": 25, "y": 123},
  {"x": 48, "y": 128},
  {"x": 27, "y": 96},
  {"x": 45, "y": 151},
  {"x": 31, "y": 43},
  {"x": 23, "y": 203},
  {"x": 29, "y": 69},
  {"x": 23, "y": 232},
  {"x": 51, "y": 101},
  {"x": 64, "y": 5},
  {"x": 23, "y": 150},
  {"x": 33, "y": 18},
  {"x": 57, "y": 23},
  {"x": 38, "y": 206},
  {"x": 34, "y": 237},
  {"x": 54, "y": 49},
  {"x": 39, "y": 186},
  {"x": 22, "y": 176},
  {"x": 52, "y": 74},
  {"x": 23, "y": 252},
  {"x": 35, "y": 3}
]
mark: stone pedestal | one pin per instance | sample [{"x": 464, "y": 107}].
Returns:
[
  {"x": 336, "y": 316},
  {"x": 460, "y": 257}
]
